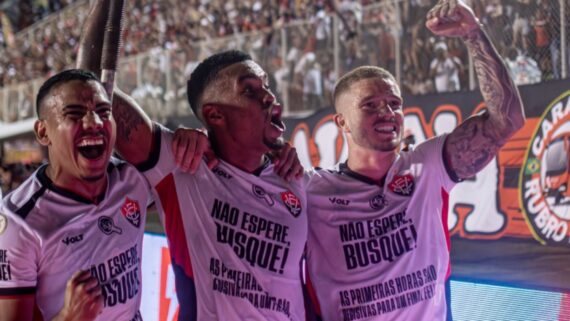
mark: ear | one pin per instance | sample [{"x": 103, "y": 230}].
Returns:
[
  {"x": 41, "y": 132},
  {"x": 340, "y": 122},
  {"x": 212, "y": 115}
]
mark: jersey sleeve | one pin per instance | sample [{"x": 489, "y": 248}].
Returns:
[
  {"x": 161, "y": 161},
  {"x": 310, "y": 177},
  {"x": 312, "y": 306},
  {"x": 19, "y": 256},
  {"x": 430, "y": 154}
]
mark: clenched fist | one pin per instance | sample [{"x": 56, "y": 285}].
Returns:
[
  {"x": 83, "y": 298},
  {"x": 452, "y": 18}
]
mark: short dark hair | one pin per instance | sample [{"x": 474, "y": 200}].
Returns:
[
  {"x": 206, "y": 72},
  {"x": 357, "y": 74},
  {"x": 60, "y": 78}
]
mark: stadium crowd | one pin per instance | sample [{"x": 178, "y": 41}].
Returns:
[
  {"x": 529, "y": 35},
  {"x": 36, "y": 45}
]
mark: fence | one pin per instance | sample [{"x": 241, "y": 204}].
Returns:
[{"x": 304, "y": 59}]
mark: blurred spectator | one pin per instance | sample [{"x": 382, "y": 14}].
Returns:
[
  {"x": 370, "y": 32},
  {"x": 523, "y": 68},
  {"x": 521, "y": 24},
  {"x": 312, "y": 82},
  {"x": 541, "y": 41},
  {"x": 445, "y": 68},
  {"x": 457, "y": 49},
  {"x": 12, "y": 175},
  {"x": 151, "y": 92},
  {"x": 417, "y": 84}
]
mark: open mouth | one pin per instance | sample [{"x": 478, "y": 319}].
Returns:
[
  {"x": 276, "y": 117},
  {"x": 91, "y": 147},
  {"x": 385, "y": 128}
]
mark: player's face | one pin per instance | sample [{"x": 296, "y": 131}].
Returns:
[
  {"x": 80, "y": 130},
  {"x": 251, "y": 112},
  {"x": 372, "y": 110}
]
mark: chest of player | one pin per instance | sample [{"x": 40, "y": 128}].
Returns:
[
  {"x": 105, "y": 236},
  {"x": 367, "y": 224},
  {"x": 338, "y": 198},
  {"x": 260, "y": 221}
]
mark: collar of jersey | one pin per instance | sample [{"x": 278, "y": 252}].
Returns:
[
  {"x": 257, "y": 172},
  {"x": 343, "y": 169},
  {"x": 48, "y": 183},
  {"x": 260, "y": 169}
]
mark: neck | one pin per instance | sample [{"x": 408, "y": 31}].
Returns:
[
  {"x": 90, "y": 190},
  {"x": 370, "y": 163},
  {"x": 246, "y": 160}
]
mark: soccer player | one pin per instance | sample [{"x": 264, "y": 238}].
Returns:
[
  {"x": 71, "y": 234},
  {"x": 377, "y": 242},
  {"x": 236, "y": 233}
]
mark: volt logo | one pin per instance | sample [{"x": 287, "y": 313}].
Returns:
[
  {"x": 339, "y": 201},
  {"x": 220, "y": 172},
  {"x": 72, "y": 239}
]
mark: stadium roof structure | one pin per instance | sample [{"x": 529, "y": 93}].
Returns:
[{"x": 9, "y": 130}]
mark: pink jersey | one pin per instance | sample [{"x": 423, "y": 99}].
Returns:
[
  {"x": 47, "y": 234},
  {"x": 236, "y": 239},
  {"x": 378, "y": 251}
]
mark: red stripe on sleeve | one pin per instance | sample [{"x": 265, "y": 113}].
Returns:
[
  {"x": 312, "y": 294},
  {"x": 173, "y": 225},
  {"x": 444, "y": 214}
]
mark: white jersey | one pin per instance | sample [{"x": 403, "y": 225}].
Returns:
[
  {"x": 47, "y": 234},
  {"x": 378, "y": 251},
  {"x": 236, "y": 239}
]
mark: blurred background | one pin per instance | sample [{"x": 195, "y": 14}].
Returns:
[
  {"x": 506, "y": 266},
  {"x": 303, "y": 45}
]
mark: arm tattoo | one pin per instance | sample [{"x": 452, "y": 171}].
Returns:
[
  {"x": 128, "y": 120},
  {"x": 472, "y": 145},
  {"x": 134, "y": 129},
  {"x": 497, "y": 87}
]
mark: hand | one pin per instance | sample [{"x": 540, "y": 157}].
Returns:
[
  {"x": 286, "y": 163},
  {"x": 83, "y": 298},
  {"x": 452, "y": 18},
  {"x": 188, "y": 147}
]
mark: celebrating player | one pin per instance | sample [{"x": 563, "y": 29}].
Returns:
[
  {"x": 236, "y": 233},
  {"x": 378, "y": 250},
  {"x": 71, "y": 234}
]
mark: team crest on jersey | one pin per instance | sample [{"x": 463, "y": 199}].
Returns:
[
  {"x": 132, "y": 212},
  {"x": 402, "y": 185},
  {"x": 544, "y": 183},
  {"x": 3, "y": 223},
  {"x": 259, "y": 192},
  {"x": 292, "y": 202},
  {"x": 378, "y": 202},
  {"x": 107, "y": 226}
]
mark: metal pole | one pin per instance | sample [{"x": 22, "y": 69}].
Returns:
[
  {"x": 3, "y": 103},
  {"x": 285, "y": 93},
  {"x": 336, "y": 47},
  {"x": 472, "y": 81},
  {"x": 563, "y": 38},
  {"x": 396, "y": 33}
]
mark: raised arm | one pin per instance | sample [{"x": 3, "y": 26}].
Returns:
[
  {"x": 474, "y": 143},
  {"x": 134, "y": 127}
]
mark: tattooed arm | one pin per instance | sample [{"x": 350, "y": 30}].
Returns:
[
  {"x": 474, "y": 143},
  {"x": 134, "y": 127}
]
